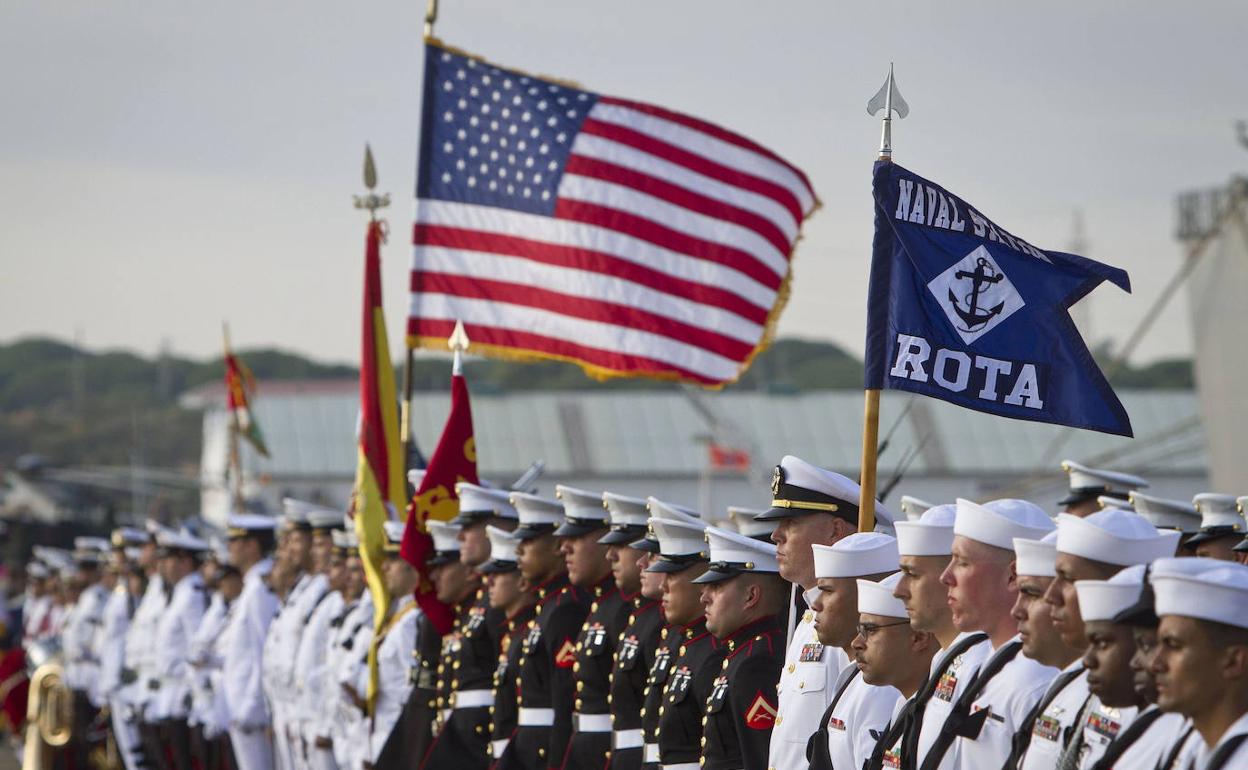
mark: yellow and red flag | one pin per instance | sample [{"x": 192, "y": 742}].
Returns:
[
  {"x": 454, "y": 460},
  {"x": 380, "y": 489},
  {"x": 240, "y": 386}
]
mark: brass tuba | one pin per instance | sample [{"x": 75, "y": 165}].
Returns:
[{"x": 49, "y": 712}]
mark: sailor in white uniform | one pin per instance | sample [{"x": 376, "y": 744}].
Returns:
[
  {"x": 811, "y": 506},
  {"x": 313, "y": 685},
  {"x": 251, "y": 540},
  {"x": 111, "y": 642},
  {"x": 1222, "y": 526},
  {"x": 1202, "y": 656},
  {"x": 347, "y": 659}
]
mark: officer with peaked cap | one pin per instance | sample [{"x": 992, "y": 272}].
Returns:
[
  {"x": 348, "y": 657},
  {"x": 982, "y": 596},
  {"x": 746, "y": 523},
  {"x": 812, "y": 506},
  {"x": 1162, "y": 513},
  {"x": 859, "y": 711},
  {"x": 640, "y": 636},
  {"x": 890, "y": 653},
  {"x": 251, "y": 539},
  {"x": 548, "y": 651},
  {"x": 585, "y": 522},
  {"x": 745, "y": 601},
  {"x": 913, "y": 507},
  {"x": 1221, "y": 526},
  {"x": 924, "y": 547},
  {"x": 1086, "y": 484},
  {"x": 507, "y": 595},
  {"x": 111, "y": 643},
  {"x": 1201, "y": 663},
  {"x": 140, "y": 652},
  {"x": 78, "y": 633},
  {"x": 694, "y": 654},
  {"x": 1035, "y": 565}
]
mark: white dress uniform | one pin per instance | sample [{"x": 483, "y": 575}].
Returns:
[
  {"x": 243, "y": 644},
  {"x": 1007, "y": 697},
  {"x": 281, "y": 648},
  {"x": 312, "y": 681},
  {"x": 1101, "y": 725},
  {"x": 173, "y": 640},
  {"x": 1053, "y": 727},
  {"x": 1229, "y": 759},
  {"x": 204, "y": 662},
  {"x": 394, "y": 665},
  {"x": 349, "y": 647},
  {"x": 960, "y": 672},
  {"x": 82, "y": 621},
  {"x": 859, "y": 719},
  {"x": 1155, "y": 742},
  {"x": 141, "y": 649},
  {"x": 111, "y": 646}
]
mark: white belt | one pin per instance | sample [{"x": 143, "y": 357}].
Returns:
[
  {"x": 498, "y": 747},
  {"x": 592, "y": 723},
  {"x": 627, "y": 739},
  {"x": 683, "y": 766},
  {"x": 650, "y": 753},
  {"x": 536, "y": 717},
  {"x": 471, "y": 699},
  {"x": 444, "y": 715}
]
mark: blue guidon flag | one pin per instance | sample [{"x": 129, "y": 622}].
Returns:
[{"x": 961, "y": 310}]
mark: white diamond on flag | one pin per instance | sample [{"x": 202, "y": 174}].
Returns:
[{"x": 975, "y": 294}]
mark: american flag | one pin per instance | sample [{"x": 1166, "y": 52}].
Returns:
[{"x": 560, "y": 223}]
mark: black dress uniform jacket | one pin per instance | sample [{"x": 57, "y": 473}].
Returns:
[
  {"x": 410, "y": 738},
  {"x": 689, "y": 683},
  {"x": 595, "y": 657},
  {"x": 471, "y": 659},
  {"x": 741, "y": 709},
  {"x": 507, "y": 679},
  {"x": 670, "y": 638},
  {"x": 634, "y": 658},
  {"x": 547, "y": 656}
]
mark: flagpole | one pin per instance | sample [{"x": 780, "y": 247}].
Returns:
[
  {"x": 871, "y": 405},
  {"x": 236, "y": 458}
]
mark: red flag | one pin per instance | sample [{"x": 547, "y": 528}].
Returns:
[
  {"x": 240, "y": 386},
  {"x": 726, "y": 458},
  {"x": 454, "y": 460}
]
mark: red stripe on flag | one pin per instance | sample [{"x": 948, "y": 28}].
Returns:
[
  {"x": 585, "y": 259},
  {"x": 661, "y": 235},
  {"x": 580, "y": 307},
  {"x": 372, "y": 431},
  {"x": 551, "y": 346},
  {"x": 679, "y": 196},
  {"x": 694, "y": 162}
]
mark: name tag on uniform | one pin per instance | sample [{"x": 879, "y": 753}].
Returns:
[
  {"x": 836, "y": 724},
  {"x": 1047, "y": 727},
  {"x": 811, "y": 653}
]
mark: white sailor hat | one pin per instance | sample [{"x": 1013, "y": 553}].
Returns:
[
  {"x": 415, "y": 476},
  {"x": 681, "y": 544},
  {"x": 1114, "y": 536},
  {"x": 929, "y": 535},
  {"x": 325, "y": 520},
  {"x": 1218, "y": 593},
  {"x": 801, "y": 489},
  {"x": 733, "y": 554},
  {"x": 394, "y": 536},
  {"x": 298, "y": 513},
  {"x": 628, "y": 518},
  {"x": 858, "y": 555},
  {"x": 180, "y": 540},
  {"x": 538, "y": 515},
  {"x": 90, "y": 550},
  {"x": 502, "y": 551},
  {"x": 1088, "y": 483},
  {"x": 1107, "y": 599},
  {"x": 124, "y": 536},
  {"x": 56, "y": 558},
  {"x": 478, "y": 503},
  {"x": 248, "y": 524},
  {"x": 346, "y": 539},
  {"x": 913, "y": 507},
  {"x": 583, "y": 511},
  {"x": 997, "y": 523},
  {"x": 1219, "y": 517},
  {"x": 132, "y": 553},
  {"x": 1036, "y": 558},
  {"x": 661, "y": 509},
  {"x": 747, "y": 523},
  {"x": 445, "y": 542},
  {"x": 1162, "y": 513},
  {"x": 876, "y": 598},
  {"x": 37, "y": 570},
  {"x": 1106, "y": 502},
  {"x": 218, "y": 550}
]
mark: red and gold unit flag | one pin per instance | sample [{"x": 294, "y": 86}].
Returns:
[{"x": 240, "y": 387}]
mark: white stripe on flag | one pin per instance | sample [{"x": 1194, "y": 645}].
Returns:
[
  {"x": 606, "y": 337},
  {"x": 604, "y": 149},
  {"x": 589, "y": 285},
  {"x": 562, "y": 232},
  {"x": 716, "y": 150},
  {"x": 715, "y": 230}
]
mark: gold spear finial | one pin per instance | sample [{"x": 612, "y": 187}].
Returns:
[{"x": 371, "y": 201}]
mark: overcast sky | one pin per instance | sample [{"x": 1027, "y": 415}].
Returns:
[{"x": 167, "y": 165}]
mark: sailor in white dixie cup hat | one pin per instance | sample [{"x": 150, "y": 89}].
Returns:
[
  {"x": 812, "y": 506},
  {"x": 982, "y": 595},
  {"x": 1086, "y": 484},
  {"x": 1201, "y": 661},
  {"x": 924, "y": 547},
  {"x": 858, "y": 712},
  {"x": 1222, "y": 526}
]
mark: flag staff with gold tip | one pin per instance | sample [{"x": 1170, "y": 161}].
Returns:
[
  {"x": 431, "y": 17},
  {"x": 458, "y": 342},
  {"x": 888, "y": 99}
]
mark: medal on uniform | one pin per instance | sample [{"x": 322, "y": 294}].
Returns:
[
  {"x": 476, "y": 617},
  {"x": 1104, "y": 724},
  {"x": 679, "y": 687},
  {"x": 658, "y": 672},
  {"x": 595, "y": 639},
  {"x": 811, "y": 653},
  {"x": 719, "y": 694},
  {"x": 1047, "y": 727},
  {"x": 948, "y": 681},
  {"x": 628, "y": 652},
  {"x": 533, "y": 637}
]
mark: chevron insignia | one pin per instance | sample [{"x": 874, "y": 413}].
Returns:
[
  {"x": 761, "y": 715},
  {"x": 566, "y": 656}
]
